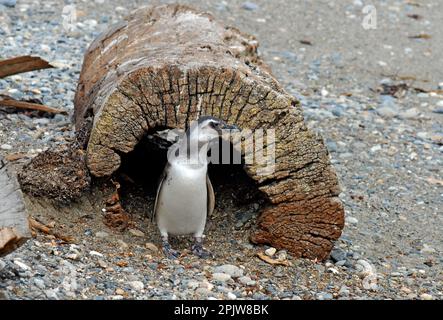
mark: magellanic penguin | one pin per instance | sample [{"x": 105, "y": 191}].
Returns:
[{"x": 185, "y": 197}]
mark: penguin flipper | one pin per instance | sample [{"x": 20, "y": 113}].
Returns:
[
  {"x": 211, "y": 196},
  {"x": 160, "y": 184}
]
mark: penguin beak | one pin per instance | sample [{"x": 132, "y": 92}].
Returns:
[{"x": 230, "y": 127}]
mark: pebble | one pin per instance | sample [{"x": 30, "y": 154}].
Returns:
[
  {"x": 22, "y": 265},
  {"x": 270, "y": 252},
  {"x": 426, "y": 296},
  {"x": 6, "y": 147},
  {"x": 247, "y": 281},
  {"x": 203, "y": 292},
  {"x": 324, "y": 296},
  {"x": 411, "y": 113},
  {"x": 151, "y": 247},
  {"x": 338, "y": 254},
  {"x": 427, "y": 249},
  {"x": 220, "y": 276},
  {"x": 102, "y": 234},
  {"x": 39, "y": 283},
  {"x": 119, "y": 292},
  {"x": 344, "y": 291},
  {"x": 250, "y": 6},
  {"x": 52, "y": 293},
  {"x": 136, "y": 232},
  {"x": 231, "y": 296},
  {"x": 229, "y": 269},
  {"x": 95, "y": 253},
  {"x": 137, "y": 285},
  {"x": 386, "y": 112},
  {"x": 352, "y": 220},
  {"x": 8, "y": 3}
]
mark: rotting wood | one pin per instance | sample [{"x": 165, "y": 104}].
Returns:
[
  {"x": 12, "y": 103},
  {"x": 36, "y": 225},
  {"x": 9, "y": 67},
  {"x": 14, "y": 228},
  {"x": 165, "y": 66}
]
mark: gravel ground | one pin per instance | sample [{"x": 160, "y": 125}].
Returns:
[{"x": 387, "y": 152}]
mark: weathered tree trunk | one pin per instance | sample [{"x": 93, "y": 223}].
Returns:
[
  {"x": 165, "y": 66},
  {"x": 14, "y": 227}
]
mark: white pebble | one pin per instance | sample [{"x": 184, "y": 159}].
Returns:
[
  {"x": 426, "y": 296},
  {"x": 6, "y": 147},
  {"x": 231, "y": 296},
  {"x": 137, "y": 285},
  {"x": 270, "y": 252},
  {"x": 95, "y": 253},
  {"x": 352, "y": 220},
  {"x": 219, "y": 276}
]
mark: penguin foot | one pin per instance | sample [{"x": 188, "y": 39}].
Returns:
[
  {"x": 169, "y": 252},
  {"x": 198, "y": 250}
]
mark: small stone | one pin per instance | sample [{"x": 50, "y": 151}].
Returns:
[
  {"x": 245, "y": 280},
  {"x": 136, "y": 232},
  {"x": 72, "y": 256},
  {"x": 8, "y": 3},
  {"x": 375, "y": 148},
  {"x": 352, "y": 220},
  {"x": 119, "y": 292},
  {"x": 386, "y": 112},
  {"x": 229, "y": 269},
  {"x": 333, "y": 270},
  {"x": 204, "y": 292},
  {"x": 52, "y": 293},
  {"x": 344, "y": 291},
  {"x": 95, "y": 253},
  {"x": 250, "y": 6},
  {"x": 426, "y": 296},
  {"x": 6, "y": 147},
  {"x": 222, "y": 277},
  {"x": 411, "y": 113},
  {"x": 122, "y": 244},
  {"x": 39, "y": 283},
  {"x": 137, "y": 285},
  {"x": 192, "y": 284},
  {"x": 22, "y": 265},
  {"x": 151, "y": 247},
  {"x": 440, "y": 104},
  {"x": 427, "y": 249},
  {"x": 338, "y": 254},
  {"x": 324, "y": 296},
  {"x": 102, "y": 234},
  {"x": 231, "y": 296},
  {"x": 405, "y": 290},
  {"x": 270, "y": 252}
]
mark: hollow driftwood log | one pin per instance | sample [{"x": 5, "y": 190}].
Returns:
[
  {"x": 165, "y": 66},
  {"x": 14, "y": 227}
]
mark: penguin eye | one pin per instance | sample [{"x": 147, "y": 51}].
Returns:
[{"x": 213, "y": 124}]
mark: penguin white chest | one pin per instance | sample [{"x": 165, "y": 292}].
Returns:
[{"x": 182, "y": 206}]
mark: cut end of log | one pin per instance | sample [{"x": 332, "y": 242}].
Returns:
[{"x": 164, "y": 67}]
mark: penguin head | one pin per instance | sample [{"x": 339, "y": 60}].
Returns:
[{"x": 210, "y": 128}]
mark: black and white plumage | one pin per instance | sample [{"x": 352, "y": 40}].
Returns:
[{"x": 185, "y": 197}]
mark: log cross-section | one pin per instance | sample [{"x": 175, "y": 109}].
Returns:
[{"x": 165, "y": 66}]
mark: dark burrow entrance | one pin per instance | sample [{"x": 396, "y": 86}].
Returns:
[{"x": 238, "y": 200}]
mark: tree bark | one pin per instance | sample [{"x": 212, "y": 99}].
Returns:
[
  {"x": 165, "y": 66},
  {"x": 14, "y": 227}
]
